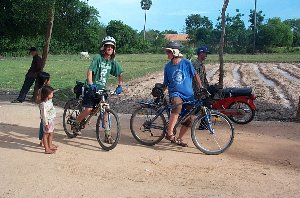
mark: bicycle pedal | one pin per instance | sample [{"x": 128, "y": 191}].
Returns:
[{"x": 217, "y": 119}]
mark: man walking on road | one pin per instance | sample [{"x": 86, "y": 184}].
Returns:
[{"x": 30, "y": 77}]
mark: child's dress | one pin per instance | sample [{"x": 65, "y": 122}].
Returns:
[{"x": 48, "y": 113}]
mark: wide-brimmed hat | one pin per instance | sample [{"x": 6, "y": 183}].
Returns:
[
  {"x": 174, "y": 47},
  {"x": 175, "y": 52}
]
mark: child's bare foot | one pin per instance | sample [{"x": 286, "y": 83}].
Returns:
[
  {"x": 49, "y": 151},
  {"x": 53, "y": 147}
]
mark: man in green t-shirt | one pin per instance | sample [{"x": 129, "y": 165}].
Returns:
[{"x": 102, "y": 65}]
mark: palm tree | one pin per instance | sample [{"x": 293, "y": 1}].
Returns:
[{"x": 145, "y": 5}]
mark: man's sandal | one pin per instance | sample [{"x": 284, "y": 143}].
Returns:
[
  {"x": 171, "y": 138},
  {"x": 181, "y": 143}
]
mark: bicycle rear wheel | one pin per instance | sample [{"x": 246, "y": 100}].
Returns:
[
  {"x": 146, "y": 130},
  {"x": 71, "y": 111},
  {"x": 215, "y": 139},
  {"x": 108, "y": 129}
]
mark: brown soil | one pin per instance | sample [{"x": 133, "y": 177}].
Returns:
[{"x": 273, "y": 103}]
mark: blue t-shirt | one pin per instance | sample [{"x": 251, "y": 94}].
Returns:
[{"x": 179, "y": 79}]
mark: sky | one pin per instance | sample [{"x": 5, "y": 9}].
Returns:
[{"x": 171, "y": 14}]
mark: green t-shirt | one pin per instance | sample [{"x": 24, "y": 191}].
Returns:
[{"x": 101, "y": 69}]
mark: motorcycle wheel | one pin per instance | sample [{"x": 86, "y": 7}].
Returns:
[{"x": 245, "y": 118}]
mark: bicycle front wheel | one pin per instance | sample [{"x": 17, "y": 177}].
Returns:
[
  {"x": 108, "y": 129},
  {"x": 145, "y": 129},
  {"x": 214, "y": 138}
]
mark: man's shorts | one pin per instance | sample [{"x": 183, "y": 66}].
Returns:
[
  {"x": 177, "y": 108},
  {"x": 91, "y": 99}
]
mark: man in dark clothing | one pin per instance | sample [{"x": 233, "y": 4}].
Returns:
[{"x": 30, "y": 77}]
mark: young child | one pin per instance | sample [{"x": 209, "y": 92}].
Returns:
[
  {"x": 42, "y": 79},
  {"x": 48, "y": 114}
]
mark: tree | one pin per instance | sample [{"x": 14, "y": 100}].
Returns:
[
  {"x": 169, "y": 32},
  {"x": 199, "y": 29},
  {"x": 21, "y": 25},
  {"x": 298, "y": 111},
  {"x": 274, "y": 34},
  {"x": 235, "y": 39},
  {"x": 294, "y": 25},
  {"x": 221, "y": 46},
  {"x": 77, "y": 26},
  {"x": 145, "y": 5},
  {"x": 125, "y": 36},
  {"x": 155, "y": 41},
  {"x": 236, "y": 34},
  {"x": 49, "y": 32},
  {"x": 256, "y": 19}
]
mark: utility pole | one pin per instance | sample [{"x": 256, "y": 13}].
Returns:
[{"x": 254, "y": 28}]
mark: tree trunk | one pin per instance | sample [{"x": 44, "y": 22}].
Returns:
[
  {"x": 145, "y": 25},
  {"x": 46, "y": 44},
  {"x": 48, "y": 34},
  {"x": 221, "y": 47},
  {"x": 254, "y": 28},
  {"x": 298, "y": 111}
]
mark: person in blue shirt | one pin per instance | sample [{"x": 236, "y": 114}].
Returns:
[{"x": 178, "y": 77}]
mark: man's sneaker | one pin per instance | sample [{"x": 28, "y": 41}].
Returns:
[{"x": 108, "y": 138}]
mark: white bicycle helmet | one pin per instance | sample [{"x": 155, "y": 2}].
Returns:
[{"x": 108, "y": 40}]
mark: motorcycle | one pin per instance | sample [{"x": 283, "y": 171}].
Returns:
[{"x": 237, "y": 103}]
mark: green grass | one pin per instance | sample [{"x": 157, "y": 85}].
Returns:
[{"x": 66, "y": 69}]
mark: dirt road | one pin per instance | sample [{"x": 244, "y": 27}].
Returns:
[{"x": 264, "y": 161}]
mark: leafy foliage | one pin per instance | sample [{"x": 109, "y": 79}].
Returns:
[
  {"x": 146, "y": 4},
  {"x": 77, "y": 27},
  {"x": 238, "y": 38},
  {"x": 294, "y": 25},
  {"x": 274, "y": 34},
  {"x": 23, "y": 24},
  {"x": 199, "y": 29}
]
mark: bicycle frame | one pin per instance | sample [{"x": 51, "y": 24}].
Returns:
[
  {"x": 99, "y": 107},
  {"x": 167, "y": 107}
]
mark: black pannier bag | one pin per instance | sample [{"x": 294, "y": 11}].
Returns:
[{"x": 78, "y": 88}]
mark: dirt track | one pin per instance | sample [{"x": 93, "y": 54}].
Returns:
[{"x": 264, "y": 161}]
